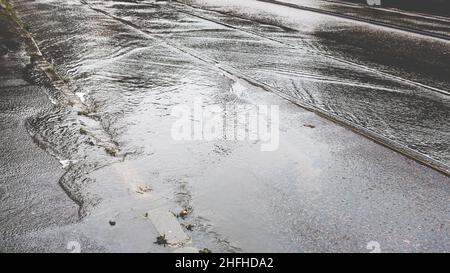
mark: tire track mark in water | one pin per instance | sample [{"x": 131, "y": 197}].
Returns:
[{"x": 234, "y": 73}]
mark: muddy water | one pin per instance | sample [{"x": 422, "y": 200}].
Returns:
[{"x": 130, "y": 63}]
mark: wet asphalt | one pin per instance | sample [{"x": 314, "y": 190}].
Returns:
[
  {"x": 30, "y": 195},
  {"x": 325, "y": 189}
]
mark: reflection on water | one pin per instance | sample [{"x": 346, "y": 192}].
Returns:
[
  {"x": 399, "y": 110},
  {"x": 131, "y": 77},
  {"x": 117, "y": 67}
]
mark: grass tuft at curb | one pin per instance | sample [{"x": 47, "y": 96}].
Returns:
[{"x": 8, "y": 7}]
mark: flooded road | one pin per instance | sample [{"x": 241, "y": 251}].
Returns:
[
  {"x": 326, "y": 188},
  {"x": 407, "y": 112}
]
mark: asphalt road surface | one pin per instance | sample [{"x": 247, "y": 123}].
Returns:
[{"x": 90, "y": 160}]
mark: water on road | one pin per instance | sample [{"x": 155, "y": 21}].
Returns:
[{"x": 131, "y": 62}]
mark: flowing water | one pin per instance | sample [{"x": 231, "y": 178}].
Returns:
[{"x": 130, "y": 62}]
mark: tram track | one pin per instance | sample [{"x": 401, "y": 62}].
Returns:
[{"x": 232, "y": 72}]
